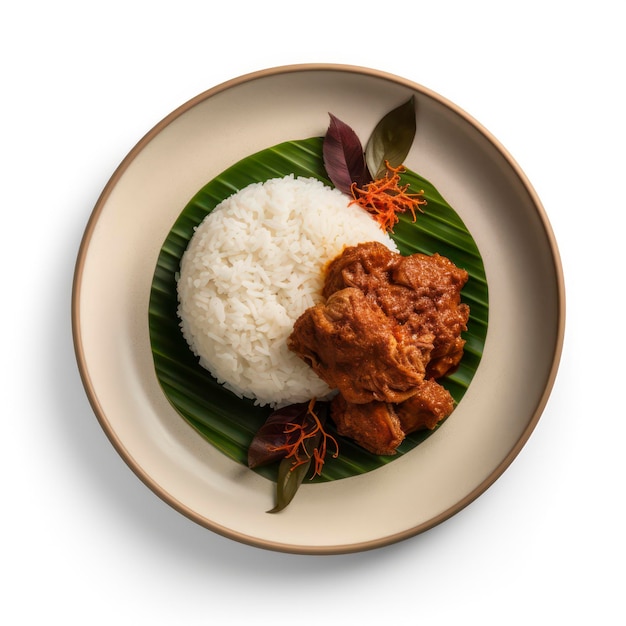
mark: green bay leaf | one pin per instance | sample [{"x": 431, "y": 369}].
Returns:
[
  {"x": 391, "y": 139},
  {"x": 288, "y": 482}
]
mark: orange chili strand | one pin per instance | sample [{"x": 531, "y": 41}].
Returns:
[
  {"x": 296, "y": 448},
  {"x": 384, "y": 198}
]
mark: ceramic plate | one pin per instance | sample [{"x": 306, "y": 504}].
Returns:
[{"x": 449, "y": 469}]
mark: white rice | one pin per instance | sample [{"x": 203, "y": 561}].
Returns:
[{"x": 252, "y": 267}]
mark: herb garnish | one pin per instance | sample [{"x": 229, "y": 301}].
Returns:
[
  {"x": 372, "y": 176},
  {"x": 295, "y": 434}
]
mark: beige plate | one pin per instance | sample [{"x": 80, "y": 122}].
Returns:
[{"x": 114, "y": 274}]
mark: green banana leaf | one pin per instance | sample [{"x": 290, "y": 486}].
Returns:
[{"x": 229, "y": 423}]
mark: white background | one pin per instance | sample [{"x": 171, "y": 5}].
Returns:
[{"x": 83, "y": 540}]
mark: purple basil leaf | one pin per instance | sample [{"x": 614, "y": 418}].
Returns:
[
  {"x": 272, "y": 434},
  {"x": 344, "y": 159}
]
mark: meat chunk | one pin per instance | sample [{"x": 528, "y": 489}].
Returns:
[
  {"x": 380, "y": 427},
  {"x": 374, "y": 426},
  {"x": 420, "y": 291},
  {"x": 366, "y": 266},
  {"x": 431, "y": 404},
  {"x": 433, "y": 285},
  {"x": 355, "y": 348}
]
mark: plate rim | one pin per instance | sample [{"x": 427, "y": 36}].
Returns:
[{"x": 89, "y": 385}]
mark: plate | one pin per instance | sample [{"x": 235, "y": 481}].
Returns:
[{"x": 449, "y": 469}]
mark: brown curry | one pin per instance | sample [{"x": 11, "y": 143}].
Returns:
[{"x": 390, "y": 326}]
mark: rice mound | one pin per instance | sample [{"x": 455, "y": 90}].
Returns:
[{"x": 251, "y": 268}]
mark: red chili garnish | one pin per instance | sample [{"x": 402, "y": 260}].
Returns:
[
  {"x": 297, "y": 449},
  {"x": 384, "y": 198}
]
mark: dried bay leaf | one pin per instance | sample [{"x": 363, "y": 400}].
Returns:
[{"x": 391, "y": 139}]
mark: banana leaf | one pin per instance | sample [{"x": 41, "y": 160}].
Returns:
[{"x": 228, "y": 422}]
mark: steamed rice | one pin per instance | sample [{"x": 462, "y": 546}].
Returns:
[{"x": 252, "y": 267}]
